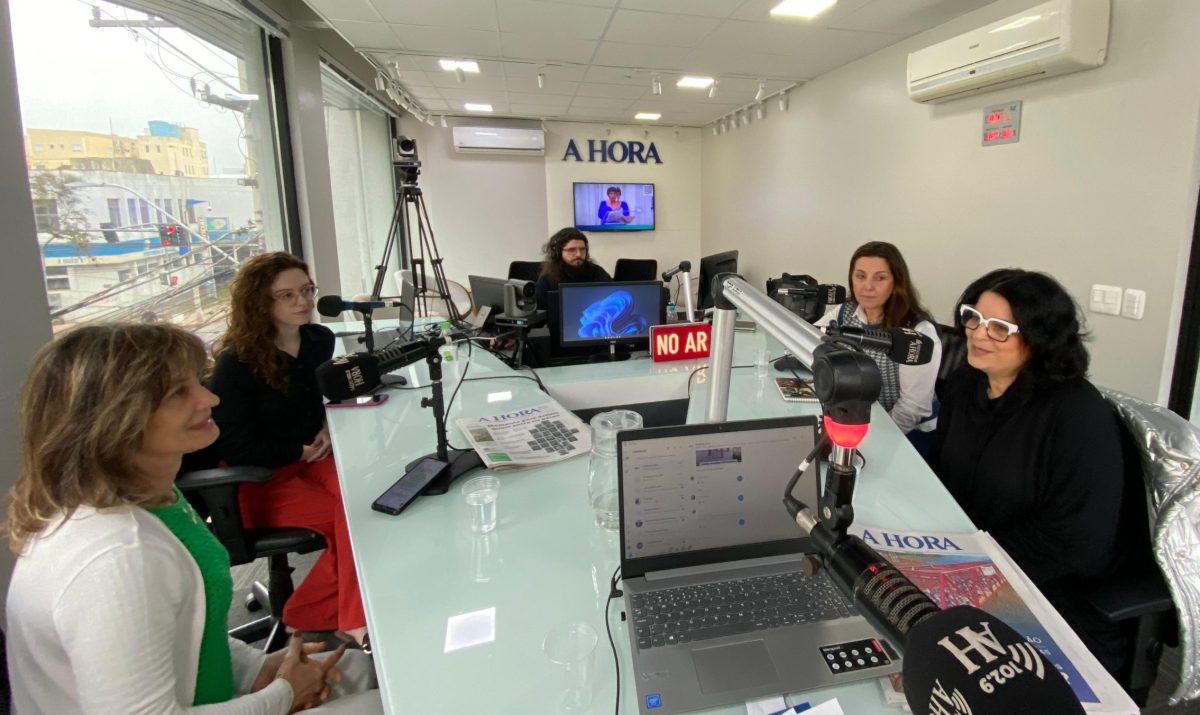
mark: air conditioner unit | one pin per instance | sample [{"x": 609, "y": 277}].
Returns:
[
  {"x": 1050, "y": 39},
  {"x": 499, "y": 140}
]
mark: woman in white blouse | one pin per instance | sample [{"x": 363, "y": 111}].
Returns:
[
  {"x": 119, "y": 597},
  {"x": 882, "y": 297}
]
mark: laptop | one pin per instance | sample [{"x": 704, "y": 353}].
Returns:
[{"x": 719, "y": 610}]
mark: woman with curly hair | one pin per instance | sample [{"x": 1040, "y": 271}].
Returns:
[
  {"x": 271, "y": 415},
  {"x": 1030, "y": 449},
  {"x": 120, "y": 594}
]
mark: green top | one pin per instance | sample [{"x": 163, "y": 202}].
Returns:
[{"x": 214, "y": 680}]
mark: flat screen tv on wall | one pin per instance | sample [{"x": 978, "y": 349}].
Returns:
[{"x": 614, "y": 207}]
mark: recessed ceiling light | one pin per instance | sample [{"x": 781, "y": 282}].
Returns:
[
  {"x": 647, "y": 115},
  {"x": 694, "y": 82},
  {"x": 464, "y": 65},
  {"x": 807, "y": 9},
  {"x": 477, "y": 107}
]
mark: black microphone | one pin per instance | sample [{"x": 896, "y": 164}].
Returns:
[
  {"x": 357, "y": 374},
  {"x": 825, "y": 293},
  {"x": 958, "y": 661},
  {"x": 903, "y": 345},
  {"x": 965, "y": 660},
  {"x": 683, "y": 267},
  {"x": 332, "y": 306}
]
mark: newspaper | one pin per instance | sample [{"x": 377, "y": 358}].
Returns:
[
  {"x": 972, "y": 570},
  {"x": 542, "y": 434}
]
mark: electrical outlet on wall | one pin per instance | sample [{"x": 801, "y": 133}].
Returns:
[
  {"x": 1105, "y": 299},
  {"x": 1133, "y": 305}
]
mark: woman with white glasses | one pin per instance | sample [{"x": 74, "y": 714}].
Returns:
[{"x": 1030, "y": 449}]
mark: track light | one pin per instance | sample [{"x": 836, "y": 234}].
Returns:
[
  {"x": 655, "y": 84},
  {"x": 760, "y": 111},
  {"x": 762, "y": 91},
  {"x": 541, "y": 81},
  {"x": 460, "y": 75},
  {"x": 712, "y": 89},
  {"x": 380, "y": 82},
  {"x": 783, "y": 101},
  {"x": 715, "y": 132},
  {"x": 443, "y": 121},
  {"x": 745, "y": 117}
]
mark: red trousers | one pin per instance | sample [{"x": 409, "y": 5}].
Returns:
[{"x": 307, "y": 495}]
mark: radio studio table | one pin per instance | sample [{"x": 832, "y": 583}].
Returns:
[{"x": 457, "y": 620}]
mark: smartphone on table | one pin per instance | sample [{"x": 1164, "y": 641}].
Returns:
[{"x": 409, "y": 487}]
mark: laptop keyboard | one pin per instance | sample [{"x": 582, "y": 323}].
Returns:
[{"x": 725, "y": 608}]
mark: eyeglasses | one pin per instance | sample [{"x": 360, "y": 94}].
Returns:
[
  {"x": 289, "y": 296},
  {"x": 997, "y": 329},
  {"x": 575, "y": 250}
]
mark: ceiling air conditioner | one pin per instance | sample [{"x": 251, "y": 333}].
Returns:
[
  {"x": 1050, "y": 39},
  {"x": 499, "y": 140}
]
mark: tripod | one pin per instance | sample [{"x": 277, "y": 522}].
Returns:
[{"x": 406, "y": 168}]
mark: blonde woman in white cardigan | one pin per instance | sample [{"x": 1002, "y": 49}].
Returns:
[{"x": 118, "y": 600}]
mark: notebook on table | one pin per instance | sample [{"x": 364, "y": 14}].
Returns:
[{"x": 719, "y": 609}]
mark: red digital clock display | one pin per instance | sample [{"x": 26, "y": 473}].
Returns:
[{"x": 998, "y": 117}]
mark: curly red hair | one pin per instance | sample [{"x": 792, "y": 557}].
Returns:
[{"x": 251, "y": 333}]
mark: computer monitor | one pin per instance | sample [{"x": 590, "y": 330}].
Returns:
[
  {"x": 617, "y": 313},
  {"x": 489, "y": 292},
  {"x": 711, "y": 266}
]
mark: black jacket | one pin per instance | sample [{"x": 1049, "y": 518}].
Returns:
[
  {"x": 588, "y": 273},
  {"x": 1040, "y": 469},
  {"x": 263, "y": 426}
]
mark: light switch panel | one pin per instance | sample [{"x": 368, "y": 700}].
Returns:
[
  {"x": 1134, "y": 304},
  {"x": 1105, "y": 299}
]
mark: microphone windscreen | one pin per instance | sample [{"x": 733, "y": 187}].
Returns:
[
  {"x": 348, "y": 376},
  {"x": 329, "y": 305},
  {"x": 910, "y": 347},
  {"x": 964, "y": 660}
]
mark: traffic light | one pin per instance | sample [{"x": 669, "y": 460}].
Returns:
[{"x": 171, "y": 234}]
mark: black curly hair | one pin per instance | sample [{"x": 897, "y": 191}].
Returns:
[
  {"x": 552, "y": 262},
  {"x": 1047, "y": 316}
]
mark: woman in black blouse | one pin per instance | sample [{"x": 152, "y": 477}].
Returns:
[
  {"x": 271, "y": 415},
  {"x": 1030, "y": 449}
]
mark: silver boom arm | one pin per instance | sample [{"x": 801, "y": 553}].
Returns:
[{"x": 797, "y": 336}]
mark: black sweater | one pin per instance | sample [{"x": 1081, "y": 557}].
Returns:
[
  {"x": 588, "y": 273},
  {"x": 263, "y": 426},
  {"x": 1040, "y": 469}
]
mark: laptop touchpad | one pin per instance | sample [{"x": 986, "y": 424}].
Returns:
[{"x": 732, "y": 667}]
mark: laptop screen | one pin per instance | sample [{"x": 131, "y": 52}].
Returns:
[{"x": 712, "y": 492}]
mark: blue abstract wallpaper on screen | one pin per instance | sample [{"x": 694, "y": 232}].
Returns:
[{"x": 613, "y": 315}]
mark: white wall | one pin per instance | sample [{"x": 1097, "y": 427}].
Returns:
[
  {"x": 1101, "y": 188},
  {"x": 487, "y": 210},
  {"x": 676, "y": 189}
]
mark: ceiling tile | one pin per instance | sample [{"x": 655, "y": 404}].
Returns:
[
  {"x": 907, "y": 18},
  {"x": 434, "y": 104},
  {"x": 473, "y": 81},
  {"x": 612, "y": 103},
  {"x": 445, "y": 41},
  {"x": 413, "y": 79},
  {"x": 550, "y": 100},
  {"x": 466, "y": 95},
  {"x": 706, "y": 8},
  {"x": 625, "y": 91},
  {"x": 459, "y": 14},
  {"x": 423, "y": 92},
  {"x": 714, "y": 62},
  {"x": 550, "y": 86},
  {"x": 650, "y": 28},
  {"x": 595, "y": 113},
  {"x": 619, "y": 54},
  {"x": 828, "y": 51},
  {"x": 594, "y": 3},
  {"x": 345, "y": 10},
  {"x": 547, "y": 48},
  {"x": 556, "y": 19},
  {"x": 616, "y": 75},
  {"x": 527, "y": 70},
  {"x": 538, "y": 110},
  {"x": 376, "y": 35}
]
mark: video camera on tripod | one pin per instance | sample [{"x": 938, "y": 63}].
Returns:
[{"x": 404, "y": 160}]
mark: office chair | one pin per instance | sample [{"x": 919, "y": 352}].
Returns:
[
  {"x": 954, "y": 353},
  {"x": 213, "y": 493},
  {"x": 636, "y": 269},
  {"x": 525, "y": 270},
  {"x": 1153, "y": 603}
]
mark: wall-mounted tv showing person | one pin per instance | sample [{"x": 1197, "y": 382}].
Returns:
[
  {"x": 614, "y": 207},
  {"x": 604, "y": 313}
]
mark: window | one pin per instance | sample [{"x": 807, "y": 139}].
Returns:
[
  {"x": 114, "y": 212},
  {"x": 171, "y": 54},
  {"x": 357, "y": 132}
]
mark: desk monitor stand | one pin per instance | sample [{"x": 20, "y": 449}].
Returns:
[{"x": 611, "y": 356}]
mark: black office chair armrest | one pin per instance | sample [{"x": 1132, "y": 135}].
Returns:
[
  {"x": 1123, "y": 598},
  {"x": 205, "y": 478}
]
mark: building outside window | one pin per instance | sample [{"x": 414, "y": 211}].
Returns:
[{"x": 202, "y": 89}]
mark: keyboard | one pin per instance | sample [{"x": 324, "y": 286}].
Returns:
[{"x": 724, "y": 608}]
